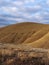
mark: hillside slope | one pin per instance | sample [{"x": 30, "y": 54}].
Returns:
[{"x": 27, "y": 34}]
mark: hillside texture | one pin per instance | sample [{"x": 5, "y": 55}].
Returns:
[{"x": 26, "y": 35}]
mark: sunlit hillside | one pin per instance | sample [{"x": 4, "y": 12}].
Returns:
[{"x": 27, "y": 34}]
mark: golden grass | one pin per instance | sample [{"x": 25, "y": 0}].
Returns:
[{"x": 26, "y": 35}]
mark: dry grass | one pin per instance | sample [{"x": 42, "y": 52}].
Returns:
[
  {"x": 23, "y": 36},
  {"x": 13, "y": 57},
  {"x": 26, "y": 34}
]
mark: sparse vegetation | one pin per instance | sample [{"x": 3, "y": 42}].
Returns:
[
  {"x": 19, "y": 57},
  {"x": 24, "y": 36}
]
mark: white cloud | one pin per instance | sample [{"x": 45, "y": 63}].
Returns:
[
  {"x": 37, "y": 7},
  {"x": 10, "y": 10},
  {"x": 25, "y": 10},
  {"x": 28, "y": 1},
  {"x": 17, "y": 3},
  {"x": 27, "y": 15},
  {"x": 47, "y": 2},
  {"x": 38, "y": 16}
]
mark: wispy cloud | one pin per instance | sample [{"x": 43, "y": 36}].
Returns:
[{"x": 24, "y": 10}]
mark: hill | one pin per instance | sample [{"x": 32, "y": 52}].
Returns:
[{"x": 26, "y": 35}]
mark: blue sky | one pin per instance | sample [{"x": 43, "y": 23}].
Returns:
[{"x": 13, "y": 11}]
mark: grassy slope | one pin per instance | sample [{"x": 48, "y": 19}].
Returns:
[{"x": 26, "y": 34}]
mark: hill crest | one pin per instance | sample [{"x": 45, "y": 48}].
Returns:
[{"x": 27, "y": 34}]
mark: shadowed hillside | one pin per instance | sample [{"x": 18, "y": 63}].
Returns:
[{"x": 27, "y": 34}]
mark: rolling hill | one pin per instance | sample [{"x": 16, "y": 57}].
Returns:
[{"x": 26, "y": 35}]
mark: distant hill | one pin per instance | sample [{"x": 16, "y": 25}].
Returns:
[{"x": 26, "y": 34}]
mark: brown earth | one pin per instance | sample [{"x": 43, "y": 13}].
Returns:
[
  {"x": 23, "y": 36},
  {"x": 27, "y": 34}
]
